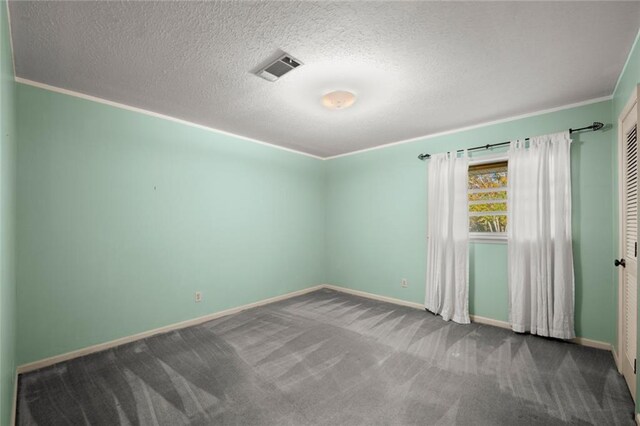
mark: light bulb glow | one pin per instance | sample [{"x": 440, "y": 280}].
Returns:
[{"x": 339, "y": 99}]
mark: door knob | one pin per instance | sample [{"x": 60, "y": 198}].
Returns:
[{"x": 620, "y": 262}]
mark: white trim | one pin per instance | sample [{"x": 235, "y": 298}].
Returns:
[
  {"x": 488, "y": 190},
  {"x": 154, "y": 114},
  {"x": 621, "y": 364},
  {"x": 25, "y": 368},
  {"x": 488, "y": 200},
  {"x": 626, "y": 63},
  {"x": 488, "y": 237},
  {"x": 200, "y": 126},
  {"x": 13, "y": 56},
  {"x": 490, "y": 321},
  {"x": 494, "y": 157},
  {"x": 633, "y": 99},
  {"x": 578, "y": 340},
  {"x": 477, "y": 126},
  {"x": 620, "y": 248},
  {"x": 475, "y": 318},
  {"x": 592, "y": 343},
  {"x": 375, "y": 296},
  {"x": 638, "y": 419}
]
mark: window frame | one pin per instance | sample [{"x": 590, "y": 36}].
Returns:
[{"x": 489, "y": 237}]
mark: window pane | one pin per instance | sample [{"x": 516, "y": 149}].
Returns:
[
  {"x": 488, "y": 223},
  {"x": 488, "y": 207},
  {"x": 488, "y": 197},
  {"x": 497, "y": 195}
]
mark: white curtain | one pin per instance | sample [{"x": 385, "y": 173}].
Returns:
[
  {"x": 541, "y": 281},
  {"x": 448, "y": 249}
]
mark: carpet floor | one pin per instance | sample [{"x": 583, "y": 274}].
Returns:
[{"x": 329, "y": 358}]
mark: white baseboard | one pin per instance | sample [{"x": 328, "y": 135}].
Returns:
[
  {"x": 593, "y": 343},
  {"x": 490, "y": 321},
  {"x": 375, "y": 296},
  {"x": 117, "y": 342},
  {"x": 25, "y": 368},
  {"x": 474, "y": 318}
]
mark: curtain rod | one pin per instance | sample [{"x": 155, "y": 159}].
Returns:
[{"x": 595, "y": 126}]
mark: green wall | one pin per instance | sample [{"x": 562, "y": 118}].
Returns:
[
  {"x": 7, "y": 222},
  {"x": 377, "y": 210},
  {"x": 629, "y": 79},
  {"x": 123, "y": 216}
]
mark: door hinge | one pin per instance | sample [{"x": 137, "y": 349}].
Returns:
[
  {"x": 634, "y": 365},
  {"x": 635, "y": 252}
]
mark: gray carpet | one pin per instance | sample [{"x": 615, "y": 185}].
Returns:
[{"x": 329, "y": 358}]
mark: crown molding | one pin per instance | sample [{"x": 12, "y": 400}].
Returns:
[
  {"x": 154, "y": 114},
  {"x": 13, "y": 56},
  {"x": 477, "y": 126},
  {"x": 200, "y": 126}
]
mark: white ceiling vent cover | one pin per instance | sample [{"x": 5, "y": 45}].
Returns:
[{"x": 279, "y": 67}]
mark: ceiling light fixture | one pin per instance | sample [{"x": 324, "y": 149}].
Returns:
[{"x": 338, "y": 99}]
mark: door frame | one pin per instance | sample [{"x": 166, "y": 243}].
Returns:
[{"x": 633, "y": 100}]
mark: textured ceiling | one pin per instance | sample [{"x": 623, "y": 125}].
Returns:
[{"x": 417, "y": 68}]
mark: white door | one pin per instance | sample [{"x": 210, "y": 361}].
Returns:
[{"x": 628, "y": 263}]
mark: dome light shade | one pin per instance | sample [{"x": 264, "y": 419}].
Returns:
[{"x": 338, "y": 99}]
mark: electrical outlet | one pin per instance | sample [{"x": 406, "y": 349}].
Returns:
[
  {"x": 198, "y": 296},
  {"x": 404, "y": 283}
]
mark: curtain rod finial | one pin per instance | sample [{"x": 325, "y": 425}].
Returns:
[
  {"x": 597, "y": 125},
  {"x": 423, "y": 156}
]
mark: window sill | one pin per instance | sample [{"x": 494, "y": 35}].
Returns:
[{"x": 488, "y": 238}]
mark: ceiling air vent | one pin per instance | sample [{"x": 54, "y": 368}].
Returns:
[{"x": 280, "y": 67}]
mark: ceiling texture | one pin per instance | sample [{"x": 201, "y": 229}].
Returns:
[{"x": 417, "y": 68}]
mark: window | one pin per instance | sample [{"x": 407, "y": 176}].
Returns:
[{"x": 488, "y": 200}]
